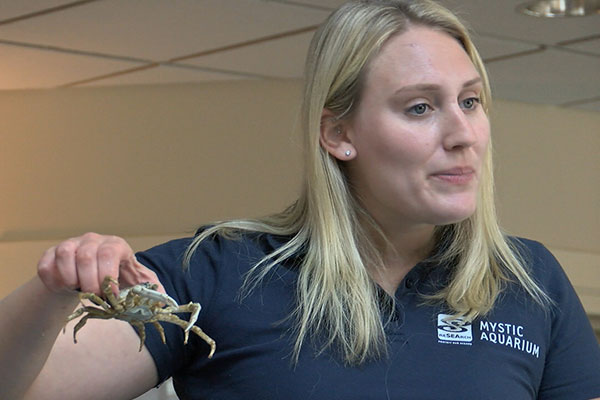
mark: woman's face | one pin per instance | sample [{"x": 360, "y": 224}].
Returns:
[{"x": 419, "y": 134}]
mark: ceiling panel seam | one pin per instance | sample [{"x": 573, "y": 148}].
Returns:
[
  {"x": 110, "y": 75},
  {"x": 217, "y": 70},
  {"x": 251, "y": 42},
  {"x": 524, "y": 53},
  {"x": 575, "y": 51},
  {"x": 558, "y": 45},
  {"x": 299, "y": 4},
  {"x": 175, "y": 60},
  {"x": 580, "y": 102},
  {"x": 45, "y": 11},
  {"x": 579, "y": 40},
  {"x": 158, "y": 64},
  {"x": 65, "y": 50}
]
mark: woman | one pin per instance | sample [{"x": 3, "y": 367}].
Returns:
[{"x": 388, "y": 278}]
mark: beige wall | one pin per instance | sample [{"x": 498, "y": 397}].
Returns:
[
  {"x": 548, "y": 185},
  {"x": 142, "y": 162},
  {"x": 154, "y": 162}
]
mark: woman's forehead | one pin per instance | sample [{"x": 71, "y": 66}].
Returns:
[{"x": 420, "y": 55}]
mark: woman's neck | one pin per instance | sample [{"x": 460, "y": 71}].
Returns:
[{"x": 401, "y": 250}]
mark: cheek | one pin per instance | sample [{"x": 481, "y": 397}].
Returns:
[
  {"x": 398, "y": 147},
  {"x": 393, "y": 142},
  {"x": 386, "y": 144},
  {"x": 483, "y": 132}
]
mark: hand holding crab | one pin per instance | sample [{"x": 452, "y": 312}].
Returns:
[{"x": 139, "y": 305}]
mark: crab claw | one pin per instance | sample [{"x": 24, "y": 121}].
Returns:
[{"x": 154, "y": 295}]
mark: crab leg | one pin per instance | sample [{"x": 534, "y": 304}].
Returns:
[
  {"x": 178, "y": 321},
  {"x": 109, "y": 294},
  {"x": 94, "y": 299},
  {"x": 141, "y": 331},
  {"x": 160, "y": 330},
  {"x": 92, "y": 313},
  {"x": 139, "y": 305},
  {"x": 193, "y": 308}
]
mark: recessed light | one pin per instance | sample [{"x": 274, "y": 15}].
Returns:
[{"x": 560, "y": 8}]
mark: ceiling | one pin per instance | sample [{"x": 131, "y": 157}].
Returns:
[{"x": 59, "y": 43}]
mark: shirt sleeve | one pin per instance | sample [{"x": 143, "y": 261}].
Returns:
[
  {"x": 195, "y": 284},
  {"x": 572, "y": 367}
]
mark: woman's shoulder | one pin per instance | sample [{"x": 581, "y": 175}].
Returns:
[
  {"x": 531, "y": 246},
  {"x": 207, "y": 248},
  {"x": 544, "y": 268},
  {"x": 536, "y": 256},
  {"x": 562, "y": 330}
]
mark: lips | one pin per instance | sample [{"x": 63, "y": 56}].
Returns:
[{"x": 456, "y": 175}]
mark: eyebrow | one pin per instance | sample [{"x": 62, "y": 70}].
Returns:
[{"x": 431, "y": 87}]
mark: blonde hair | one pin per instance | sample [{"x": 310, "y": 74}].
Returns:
[{"x": 337, "y": 301}]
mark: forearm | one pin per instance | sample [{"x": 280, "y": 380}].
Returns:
[
  {"x": 37, "y": 362},
  {"x": 32, "y": 317}
]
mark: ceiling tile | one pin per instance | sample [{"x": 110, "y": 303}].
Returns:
[
  {"x": 160, "y": 30},
  {"x": 12, "y": 9},
  {"x": 162, "y": 75},
  {"x": 549, "y": 77},
  {"x": 590, "y": 46},
  {"x": 332, "y": 4},
  {"x": 591, "y": 106},
  {"x": 282, "y": 58},
  {"x": 500, "y": 18},
  {"x": 25, "y": 68},
  {"x": 490, "y": 47}
]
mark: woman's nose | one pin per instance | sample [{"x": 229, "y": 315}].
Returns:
[{"x": 457, "y": 129}]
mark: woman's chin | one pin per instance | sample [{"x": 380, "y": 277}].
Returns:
[{"x": 455, "y": 215}]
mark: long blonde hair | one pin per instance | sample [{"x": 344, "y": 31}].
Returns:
[{"x": 337, "y": 301}]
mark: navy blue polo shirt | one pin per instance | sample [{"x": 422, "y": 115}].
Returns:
[{"x": 517, "y": 351}]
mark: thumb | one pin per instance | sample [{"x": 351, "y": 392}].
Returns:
[{"x": 134, "y": 272}]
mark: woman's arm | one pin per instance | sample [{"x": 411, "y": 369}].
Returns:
[{"x": 37, "y": 361}]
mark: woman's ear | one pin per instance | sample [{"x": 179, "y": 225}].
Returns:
[{"x": 334, "y": 137}]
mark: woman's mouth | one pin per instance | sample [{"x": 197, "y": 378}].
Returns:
[{"x": 456, "y": 176}]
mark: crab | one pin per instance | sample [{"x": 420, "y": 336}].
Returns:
[{"x": 140, "y": 304}]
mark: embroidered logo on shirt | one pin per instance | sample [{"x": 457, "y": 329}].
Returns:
[
  {"x": 509, "y": 335},
  {"x": 454, "y": 330}
]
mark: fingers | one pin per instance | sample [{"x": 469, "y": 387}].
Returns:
[
  {"x": 86, "y": 264},
  {"x": 83, "y": 263},
  {"x": 64, "y": 259},
  {"x": 133, "y": 272},
  {"x": 46, "y": 269}
]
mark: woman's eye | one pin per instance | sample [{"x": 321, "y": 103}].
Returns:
[
  {"x": 471, "y": 103},
  {"x": 418, "y": 109}
]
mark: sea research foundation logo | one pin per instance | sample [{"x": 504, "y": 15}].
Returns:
[{"x": 454, "y": 330}]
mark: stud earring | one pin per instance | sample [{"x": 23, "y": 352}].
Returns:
[
  {"x": 338, "y": 130},
  {"x": 347, "y": 153}
]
